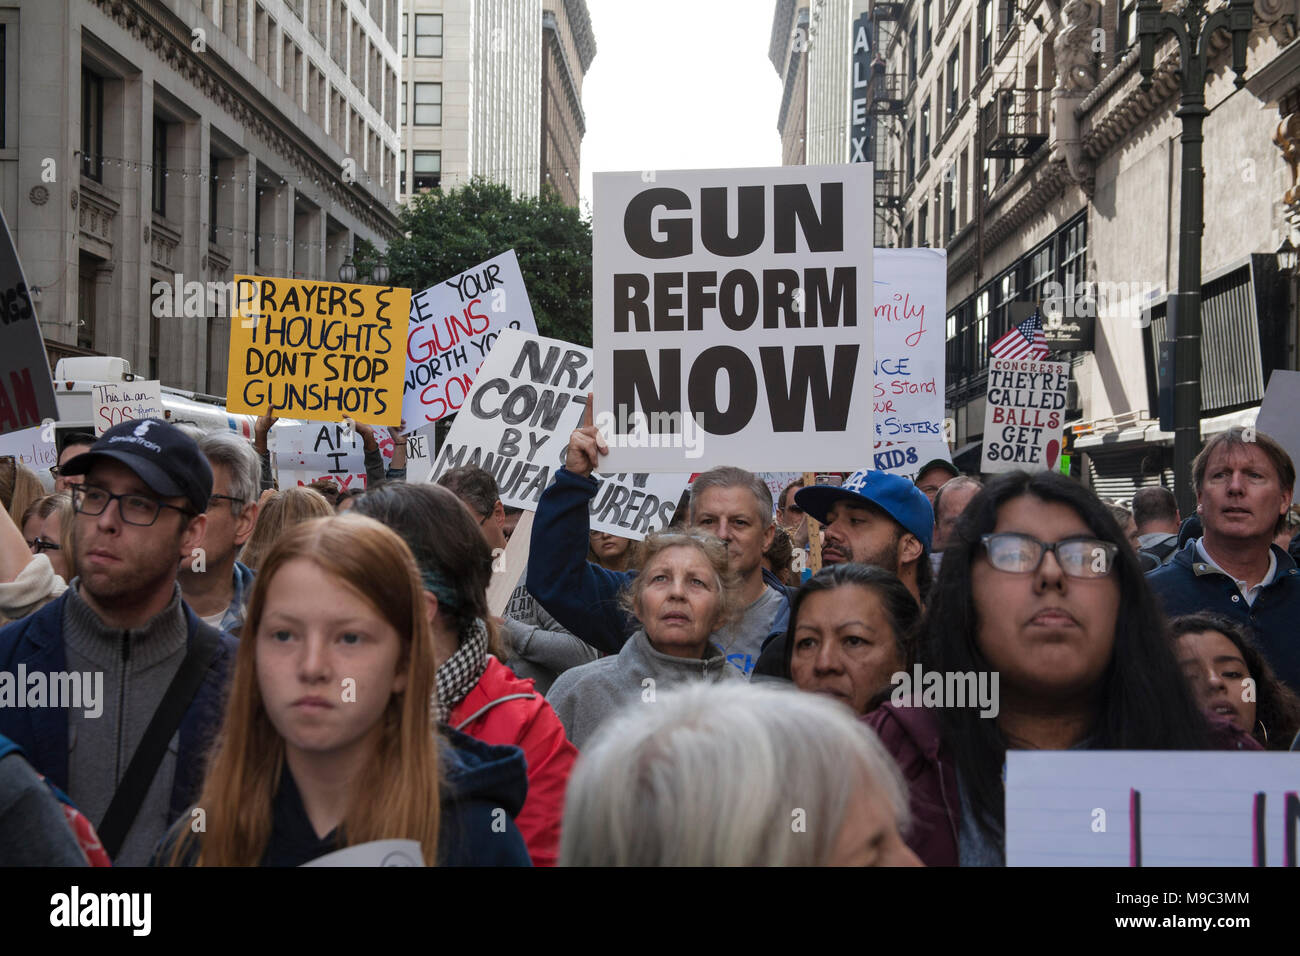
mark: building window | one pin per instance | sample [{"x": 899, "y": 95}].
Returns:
[
  {"x": 923, "y": 225},
  {"x": 950, "y": 200},
  {"x": 159, "y": 167},
  {"x": 911, "y": 153},
  {"x": 1042, "y": 270},
  {"x": 87, "y": 270},
  {"x": 925, "y": 131},
  {"x": 4, "y": 87},
  {"x": 913, "y": 57},
  {"x": 402, "y": 119},
  {"x": 982, "y": 330},
  {"x": 427, "y": 171},
  {"x": 927, "y": 31},
  {"x": 401, "y": 174},
  {"x": 92, "y": 125},
  {"x": 954, "y": 83},
  {"x": 985, "y": 28},
  {"x": 257, "y": 230},
  {"x": 214, "y": 187},
  {"x": 1008, "y": 17},
  {"x": 428, "y": 104},
  {"x": 1074, "y": 250},
  {"x": 406, "y": 26},
  {"x": 428, "y": 34},
  {"x": 1126, "y": 28}
]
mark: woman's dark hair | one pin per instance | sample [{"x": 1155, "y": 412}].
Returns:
[
  {"x": 1277, "y": 707},
  {"x": 1143, "y": 701},
  {"x": 901, "y": 609},
  {"x": 447, "y": 544}
]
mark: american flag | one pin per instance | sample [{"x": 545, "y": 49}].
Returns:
[{"x": 1026, "y": 341}]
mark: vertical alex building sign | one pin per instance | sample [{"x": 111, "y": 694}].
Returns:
[
  {"x": 861, "y": 140},
  {"x": 741, "y": 299}
]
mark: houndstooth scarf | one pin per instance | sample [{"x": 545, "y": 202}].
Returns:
[{"x": 458, "y": 675}]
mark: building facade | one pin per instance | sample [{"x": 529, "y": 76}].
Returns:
[
  {"x": 494, "y": 89},
  {"x": 1024, "y": 145},
  {"x": 787, "y": 52},
  {"x": 152, "y": 147},
  {"x": 568, "y": 47}
]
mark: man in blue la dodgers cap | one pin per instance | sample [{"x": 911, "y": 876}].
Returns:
[
  {"x": 873, "y": 518},
  {"x": 123, "y": 622}
]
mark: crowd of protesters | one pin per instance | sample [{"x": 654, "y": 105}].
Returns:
[{"x": 286, "y": 673}]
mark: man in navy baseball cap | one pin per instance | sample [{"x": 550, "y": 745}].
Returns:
[
  {"x": 875, "y": 518},
  {"x": 140, "y": 510}
]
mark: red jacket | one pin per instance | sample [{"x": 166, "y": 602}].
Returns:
[
  {"x": 502, "y": 709},
  {"x": 912, "y": 736}
]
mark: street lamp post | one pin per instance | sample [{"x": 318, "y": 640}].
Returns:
[{"x": 1193, "y": 27}]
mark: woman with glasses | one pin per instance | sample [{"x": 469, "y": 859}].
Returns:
[
  {"x": 1038, "y": 588},
  {"x": 35, "y": 556},
  {"x": 47, "y": 529}
]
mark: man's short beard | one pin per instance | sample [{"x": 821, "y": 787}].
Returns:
[{"x": 887, "y": 558}]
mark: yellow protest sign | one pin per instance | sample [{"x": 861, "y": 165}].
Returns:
[{"x": 317, "y": 350}]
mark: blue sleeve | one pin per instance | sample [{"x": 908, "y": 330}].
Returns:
[
  {"x": 471, "y": 835},
  {"x": 582, "y": 596}
]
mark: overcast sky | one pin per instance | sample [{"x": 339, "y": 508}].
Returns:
[{"x": 680, "y": 84}]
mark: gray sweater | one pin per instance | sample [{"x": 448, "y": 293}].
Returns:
[
  {"x": 585, "y": 696},
  {"x": 540, "y": 646},
  {"x": 138, "y": 665}
]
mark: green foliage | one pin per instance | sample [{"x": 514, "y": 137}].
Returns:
[{"x": 449, "y": 232}]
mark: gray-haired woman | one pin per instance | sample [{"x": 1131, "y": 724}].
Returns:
[
  {"x": 736, "y": 775},
  {"x": 684, "y": 593}
]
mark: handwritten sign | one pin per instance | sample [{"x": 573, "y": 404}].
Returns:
[
  {"x": 119, "y": 402},
  {"x": 516, "y": 422},
  {"x": 32, "y": 449},
  {"x": 26, "y": 389},
  {"x": 910, "y": 285},
  {"x": 736, "y": 300},
  {"x": 1024, "y": 415},
  {"x": 317, "y": 350},
  {"x": 1148, "y": 808},
  {"x": 453, "y": 325},
  {"x": 906, "y": 458},
  {"x": 305, "y": 452},
  {"x": 776, "y": 482}
]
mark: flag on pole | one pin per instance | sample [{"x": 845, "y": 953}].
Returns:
[{"x": 1026, "y": 341}]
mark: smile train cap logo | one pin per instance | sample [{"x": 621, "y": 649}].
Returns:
[{"x": 143, "y": 428}]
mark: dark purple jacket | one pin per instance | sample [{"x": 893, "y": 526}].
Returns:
[{"x": 912, "y": 736}]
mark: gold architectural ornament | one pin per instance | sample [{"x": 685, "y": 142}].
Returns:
[{"x": 1287, "y": 139}]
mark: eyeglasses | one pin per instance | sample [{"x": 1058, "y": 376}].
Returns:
[
  {"x": 793, "y": 509},
  {"x": 43, "y": 544},
  {"x": 1080, "y": 557},
  {"x": 134, "y": 509},
  {"x": 236, "y": 502}
]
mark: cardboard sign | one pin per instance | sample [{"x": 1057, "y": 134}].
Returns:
[
  {"x": 910, "y": 286},
  {"x": 1024, "y": 415},
  {"x": 305, "y": 452},
  {"x": 317, "y": 350},
  {"x": 31, "y": 449},
  {"x": 516, "y": 422},
  {"x": 419, "y": 455},
  {"x": 26, "y": 389},
  {"x": 734, "y": 303},
  {"x": 1149, "y": 808},
  {"x": 776, "y": 482},
  {"x": 119, "y": 402},
  {"x": 906, "y": 458},
  {"x": 453, "y": 325},
  {"x": 1277, "y": 415}
]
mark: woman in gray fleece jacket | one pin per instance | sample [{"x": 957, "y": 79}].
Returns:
[{"x": 684, "y": 593}]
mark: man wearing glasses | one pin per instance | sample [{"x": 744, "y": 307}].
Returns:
[
  {"x": 214, "y": 583},
  {"x": 478, "y": 490},
  {"x": 140, "y": 510},
  {"x": 74, "y": 445}
]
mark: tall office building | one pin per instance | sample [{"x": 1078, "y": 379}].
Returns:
[{"x": 144, "y": 141}]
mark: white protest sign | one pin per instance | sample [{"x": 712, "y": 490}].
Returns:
[
  {"x": 1277, "y": 418},
  {"x": 307, "y": 451},
  {"x": 374, "y": 853},
  {"x": 32, "y": 449},
  {"x": 910, "y": 289},
  {"x": 453, "y": 325},
  {"x": 735, "y": 302},
  {"x": 126, "y": 401},
  {"x": 516, "y": 421},
  {"x": 776, "y": 482},
  {"x": 906, "y": 458},
  {"x": 1024, "y": 415},
  {"x": 419, "y": 455},
  {"x": 1151, "y": 808}
]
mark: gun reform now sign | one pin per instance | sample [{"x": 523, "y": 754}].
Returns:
[
  {"x": 740, "y": 299},
  {"x": 317, "y": 350}
]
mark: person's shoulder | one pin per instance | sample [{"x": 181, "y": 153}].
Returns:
[
  {"x": 906, "y": 728},
  {"x": 40, "y": 625},
  {"x": 575, "y": 676},
  {"x": 474, "y": 770}
]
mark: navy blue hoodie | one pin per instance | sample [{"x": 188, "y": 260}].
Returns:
[{"x": 483, "y": 789}]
